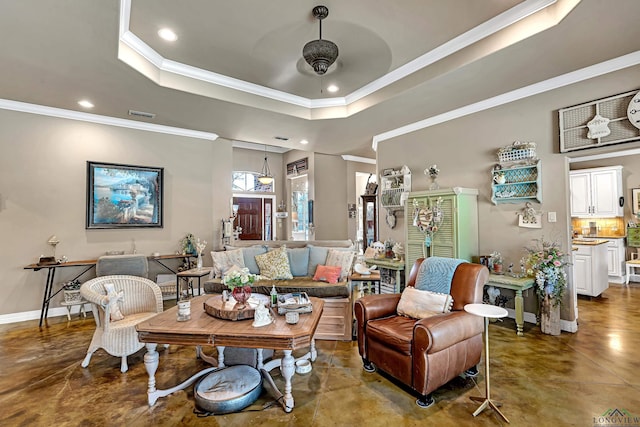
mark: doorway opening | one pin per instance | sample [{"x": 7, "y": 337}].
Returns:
[{"x": 300, "y": 208}]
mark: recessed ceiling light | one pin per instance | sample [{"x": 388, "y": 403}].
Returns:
[
  {"x": 168, "y": 34},
  {"x": 304, "y": 142},
  {"x": 333, "y": 88},
  {"x": 85, "y": 104}
]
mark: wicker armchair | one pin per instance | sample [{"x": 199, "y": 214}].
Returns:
[{"x": 142, "y": 299}]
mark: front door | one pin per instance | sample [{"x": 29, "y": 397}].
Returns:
[{"x": 254, "y": 217}]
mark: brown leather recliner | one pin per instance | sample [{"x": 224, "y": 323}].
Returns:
[{"x": 427, "y": 353}]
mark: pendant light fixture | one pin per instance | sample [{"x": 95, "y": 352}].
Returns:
[
  {"x": 265, "y": 176},
  {"x": 320, "y": 54}
]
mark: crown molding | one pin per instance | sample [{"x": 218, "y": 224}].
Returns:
[
  {"x": 140, "y": 56},
  {"x": 586, "y": 73},
  {"x": 350, "y": 158},
  {"x": 6, "y": 104},
  {"x": 486, "y": 29}
]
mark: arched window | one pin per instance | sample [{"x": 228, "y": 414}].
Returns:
[{"x": 246, "y": 182}]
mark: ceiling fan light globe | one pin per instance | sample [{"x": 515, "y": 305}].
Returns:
[{"x": 320, "y": 54}]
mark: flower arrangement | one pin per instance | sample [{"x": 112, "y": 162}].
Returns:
[
  {"x": 200, "y": 246},
  {"x": 71, "y": 291},
  {"x": 496, "y": 262},
  {"x": 73, "y": 285},
  {"x": 546, "y": 263},
  {"x": 432, "y": 171},
  {"x": 239, "y": 278}
]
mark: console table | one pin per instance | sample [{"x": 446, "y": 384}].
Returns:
[
  {"x": 51, "y": 272},
  {"x": 517, "y": 284},
  {"x": 86, "y": 265}
]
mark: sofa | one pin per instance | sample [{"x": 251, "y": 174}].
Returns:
[{"x": 303, "y": 258}]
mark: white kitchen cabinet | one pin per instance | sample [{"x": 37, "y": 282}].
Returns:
[
  {"x": 596, "y": 192},
  {"x": 590, "y": 274},
  {"x": 615, "y": 259}
]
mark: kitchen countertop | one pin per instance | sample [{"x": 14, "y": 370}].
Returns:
[{"x": 589, "y": 242}]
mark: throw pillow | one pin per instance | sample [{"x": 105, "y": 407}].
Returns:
[
  {"x": 298, "y": 261},
  {"x": 114, "y": 299},
  {"x": 223, "y": 260},
  {"x": 318, "y": 255},
  {"x": 327, "y": 273},
  {"x": 249, "y": 255},
  {"x": 342, "y": 259},
  {"x": 274, "y": 264},
  {"x": 420, "y": 304}
]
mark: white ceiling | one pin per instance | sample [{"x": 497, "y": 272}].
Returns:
[{"x": 236, "y": 69}]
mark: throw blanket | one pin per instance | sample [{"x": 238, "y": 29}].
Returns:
[{"x": 435, "y": 274}]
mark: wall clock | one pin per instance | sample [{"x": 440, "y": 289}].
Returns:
[{"x": 633, "y": 111}]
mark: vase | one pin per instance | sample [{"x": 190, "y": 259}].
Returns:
[
  {"x": 241, "y": 294},
  {"x": 434, "y": 183},
  {"x": 550, "y": 316},
  {"x": 199, "y": 264}
]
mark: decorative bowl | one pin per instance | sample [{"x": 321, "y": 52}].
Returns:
[{"x": 303, "y": 366}]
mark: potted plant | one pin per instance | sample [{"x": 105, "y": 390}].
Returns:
[
  {"x": 496, "y": 262},
  {"x": 546, "y": 263},
  {"x": 71, "y": 292},
  {"x": 188, "y": 244}
]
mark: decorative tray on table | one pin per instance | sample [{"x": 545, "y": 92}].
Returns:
[
  {"x": 216, "y": 306},
  {"x": 298, "y": 302}
]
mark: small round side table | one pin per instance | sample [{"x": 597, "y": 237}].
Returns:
[{"x": 488, "y": 312}]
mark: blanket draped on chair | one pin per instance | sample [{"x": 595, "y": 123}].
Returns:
[{"x": 436, "y": 273}]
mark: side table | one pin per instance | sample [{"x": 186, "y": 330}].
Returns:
[
  {"x": 391, "y": 274},
  {"x": 359, "y": 280},
  {"x": 81, "y": 311},
  {"x": 194, "y": 273},
  {"x": 517, "y": 284},
  {"x": 487, "y": 311},
  {"x": 360, "y": 286}
]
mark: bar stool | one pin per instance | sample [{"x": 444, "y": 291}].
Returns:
[{"x": 631, "y": 265}]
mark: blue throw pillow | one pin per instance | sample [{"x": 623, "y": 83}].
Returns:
[
  {"x": 249, "y": 256},
  {"x": 298, "y": 261}
]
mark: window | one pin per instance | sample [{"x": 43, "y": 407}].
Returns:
[{"x": 244, "y": 182}]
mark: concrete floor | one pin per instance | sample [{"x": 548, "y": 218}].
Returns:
[{"x": 541, "y": 380}]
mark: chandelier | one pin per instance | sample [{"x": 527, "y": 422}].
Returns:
[
  {"x": 265, "y": 176},
  {"x": 320, "y": 54}
]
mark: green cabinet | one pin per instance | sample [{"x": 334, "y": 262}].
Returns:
[
  {"x": 457, "y": 234},
  {"x": 633, "y": 237}
]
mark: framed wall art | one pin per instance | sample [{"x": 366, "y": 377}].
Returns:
[
  {"x": 124, "y": 196},
  {"x": 635, "y": 199}
]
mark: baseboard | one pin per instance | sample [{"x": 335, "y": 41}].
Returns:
[
  {"x": 569, "y": 325},
  {"x": 528, "y": 317},
  {"x": 616, "y": 279},
  {"x": 565, "y": 325},
  {"x": 35, "y": 314}
]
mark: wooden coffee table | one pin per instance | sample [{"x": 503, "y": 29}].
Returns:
[{"x": 206, "y": 330}]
